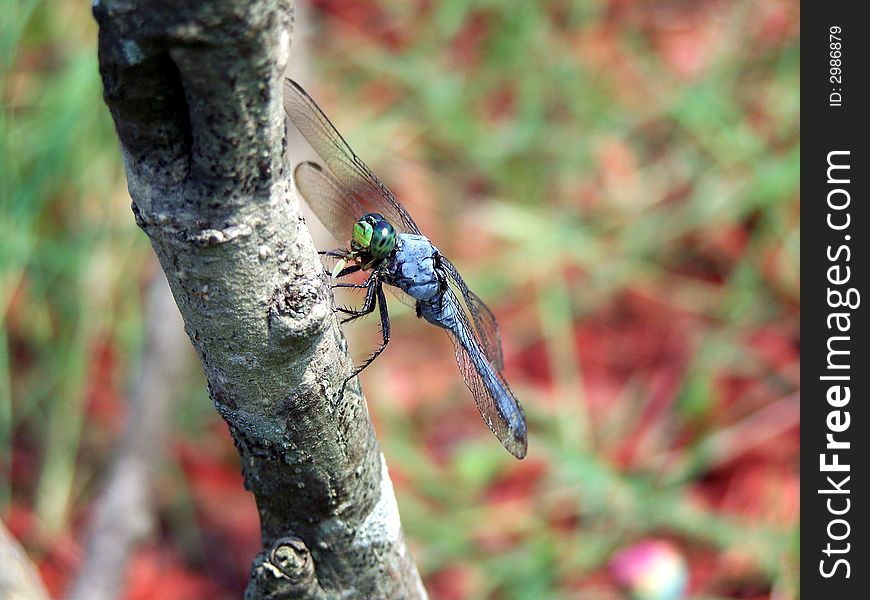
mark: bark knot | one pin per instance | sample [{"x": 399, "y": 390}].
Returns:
[{"x": 297, "y": 309}]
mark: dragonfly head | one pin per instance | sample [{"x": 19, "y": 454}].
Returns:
[{"x": 374, "y": 234}]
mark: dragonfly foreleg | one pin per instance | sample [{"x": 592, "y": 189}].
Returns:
[
  {"x": 371, "y": 285},
  {"x": 339, "y": 253},
  {"x": 385, "y": 329},
  {"x": 346, "y": 271},
  {"x": 340, "y": 269}
]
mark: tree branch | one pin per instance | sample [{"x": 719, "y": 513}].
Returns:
[{"x": 194, "y": 88}]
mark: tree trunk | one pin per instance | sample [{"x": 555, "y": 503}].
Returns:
[{"x": 194, "y": 88}]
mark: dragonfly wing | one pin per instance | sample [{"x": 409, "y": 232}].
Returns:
[
  {"x": 498, "y": 406},
  {"x": 484, "y": 321},
  {"x": 331, "y": 202},
  {"x": 401, "y": 296},
  {"x": 314, "y": 125}
]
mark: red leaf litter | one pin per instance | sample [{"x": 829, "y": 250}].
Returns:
[{"x": 159, "y": 572}]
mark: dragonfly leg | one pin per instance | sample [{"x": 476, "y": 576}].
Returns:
[
  {"x": 353, "y": 312},
  {"x": 334, "y": 253},
  {"x": 385, "y": 329},
  {"x": 354, "y": 286},
  {"x": 343, "y": 255},
  {"x": 347, "y": 271},
  {"x": 372, "y": 284}
]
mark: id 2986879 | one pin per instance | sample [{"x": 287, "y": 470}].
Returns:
[{"x": 835, "y": 71}]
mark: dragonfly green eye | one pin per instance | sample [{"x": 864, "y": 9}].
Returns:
[
  {"x": 383, "y": 240},
  {"x": 375, "y": 234},
  {"x": 362, "y": 233}
]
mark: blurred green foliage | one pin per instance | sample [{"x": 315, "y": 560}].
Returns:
[
  {"x": 620, "y": 181},
  {"x": 70, "y": 256}
]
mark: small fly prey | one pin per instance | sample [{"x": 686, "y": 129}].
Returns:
[{"x": 385, "y": 241}]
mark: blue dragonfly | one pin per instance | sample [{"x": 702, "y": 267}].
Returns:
[{"x": 387, "y": 244}]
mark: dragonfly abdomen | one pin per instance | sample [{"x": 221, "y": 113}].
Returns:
[{"x": 445, "y": 312}]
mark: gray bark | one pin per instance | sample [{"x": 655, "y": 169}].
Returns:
[{"x": 194, "y": 88}]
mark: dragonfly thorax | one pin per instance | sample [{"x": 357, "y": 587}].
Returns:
[{"x": 413, "y": 267}]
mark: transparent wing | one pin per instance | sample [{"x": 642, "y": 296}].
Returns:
[
  {"x": 331, "y": 202},
  {"x": 498, "y": 406},
  {"x": 484, "y": 321},
  {"x": 401, "y": 296},
  {"x": 367, "y": 189}
]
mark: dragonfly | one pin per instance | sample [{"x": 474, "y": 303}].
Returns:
[{"x": 386, "y": 243}]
